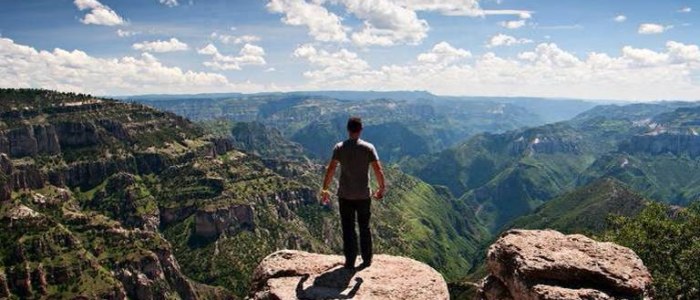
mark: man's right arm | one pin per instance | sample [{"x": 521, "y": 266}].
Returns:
[{"x": 330, "y": 172}]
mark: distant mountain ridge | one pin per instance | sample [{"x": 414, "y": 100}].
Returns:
[
  {"x": 404, "y": 124},
  {"x": 510, "y": 174}
]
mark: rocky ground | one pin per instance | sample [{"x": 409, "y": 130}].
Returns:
[{"x": 291, "y": 274}]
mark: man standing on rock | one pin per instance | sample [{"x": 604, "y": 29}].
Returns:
[{"x": 355, "y": 156}]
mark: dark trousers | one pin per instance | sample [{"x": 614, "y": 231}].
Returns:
[{"x": 348, "y": 210}]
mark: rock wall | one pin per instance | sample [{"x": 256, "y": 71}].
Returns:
[
  {"x": 546, "y": 264},
  {"x": 229, "y": 221},
  {"x": 6, "y": 185}
]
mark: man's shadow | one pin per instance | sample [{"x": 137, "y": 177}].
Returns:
[{"x": 329, "y": 285}]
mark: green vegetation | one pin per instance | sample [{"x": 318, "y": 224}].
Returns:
[
  {"x": 667, "y": 240},
  {"x": 437, "y": 229},
  {"x": 584, "y": 210}
]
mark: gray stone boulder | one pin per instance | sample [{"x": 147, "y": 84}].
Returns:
[{"x": 546, "y": 264}]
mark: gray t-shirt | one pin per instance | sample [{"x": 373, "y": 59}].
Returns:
[{"x": 354, "y": 157}]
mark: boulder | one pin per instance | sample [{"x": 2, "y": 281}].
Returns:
[
  {"x": 289, "y": 274},
  {"x": 546, "y": 264}
]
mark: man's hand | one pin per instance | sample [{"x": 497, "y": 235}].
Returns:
[
  {"x": 379, "y": 194},
  {"x": 379, "y": 173},
  {"x": 325, "y": 197},
  {"x": 330, "y": 171}
]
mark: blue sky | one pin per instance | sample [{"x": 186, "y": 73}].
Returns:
[{"x": 630, "y": 50}]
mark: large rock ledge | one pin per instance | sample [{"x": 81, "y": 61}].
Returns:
[
  {"x": 546, "y": 264},
  {"x": 291, "y": 274}
]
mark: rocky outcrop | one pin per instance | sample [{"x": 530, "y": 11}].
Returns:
[
  {"x": 147, "y": 277},
  {"x": 77, "y": 134},
  {"x": 30, "y": 140},
  {"x": 28, "y": 176},
  {"x": 6, "y": 185},
  {"x": 222, "y": 145},
  {"x": 546, "y": 264},
  {"x": 543, "y": 144},
  {"x": 4, "y": 288},
  {"x": 229, "y": 220},
  {"x": 289, "y": 274}
]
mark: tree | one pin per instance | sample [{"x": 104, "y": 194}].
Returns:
[{"x": 668, "y": 241}]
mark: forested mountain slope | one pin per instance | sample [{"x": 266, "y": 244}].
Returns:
[{"x": 105, "y": 199}]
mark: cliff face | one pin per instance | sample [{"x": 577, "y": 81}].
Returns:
[
  {"x": 77, "y": 219},
  {"x": 665, "y": 143},
  {"x": 291, "y": 275},
  {"x": 545, "y": 264},
  {"x": 6, "y": 185},
  {"x": 53, "y": 256}
]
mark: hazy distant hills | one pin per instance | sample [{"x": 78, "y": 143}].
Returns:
[
  {"x": 652, "y": 148},
  {"x": 403, "y": 124}
]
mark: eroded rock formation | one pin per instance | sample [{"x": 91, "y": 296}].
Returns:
[
  {"x": 5, "y": 177},
  {"x": 291, "y": 274},
  {"x": 546, "y": 264}
]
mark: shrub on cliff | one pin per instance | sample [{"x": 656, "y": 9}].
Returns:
[{"x": 668, "y": 241}]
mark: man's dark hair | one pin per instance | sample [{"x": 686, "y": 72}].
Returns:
[{"x": 354, "y": 124}]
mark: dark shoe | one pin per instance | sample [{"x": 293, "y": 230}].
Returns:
[
  {"x": 365, "y": 265},
  {"x": 349, "y": 266}
]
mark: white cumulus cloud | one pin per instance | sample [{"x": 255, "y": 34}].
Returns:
[
  {"x": 506, "y": 40},
  {"x": 330, "y": 66},
  {"x": 386, "y": 23},
  {"x": 322, "y": 24},
  {"x": 683, "y": 54},
  {"x": 545, "y": 71},
  {"x": 126, "y": 33},
  {"x": 248, "y": 55},
  {"x": 620, "y": 18},
  {"x": 443, "y": 53},
  {"x": 469, "y": 8},
  {"x": 515, "y": 24},
  {"x": 98, "y": 14},
  {"x": 77, "y": 71},
  {"x": 383, "y": 22},
  {"x": 169, "y": 3},
  {"x": 651, "y": 28},
  {"x": 159, "y": 46},
  {"x": 234, "y": 39}
]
